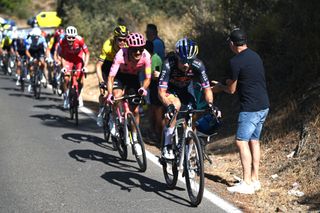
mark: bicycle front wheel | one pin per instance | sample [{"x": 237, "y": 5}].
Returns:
[
  {"x": 193, "y": 168},
  {"x": 138, "y": 146}
]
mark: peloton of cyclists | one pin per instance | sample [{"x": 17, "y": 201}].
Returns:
[
  {"x": 73, "y": 53},
  {"x": 109, "y": 49},
  {"x": 176, "y": 84}
]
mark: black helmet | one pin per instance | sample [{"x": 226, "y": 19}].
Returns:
[{"x": 238, "y": 37}]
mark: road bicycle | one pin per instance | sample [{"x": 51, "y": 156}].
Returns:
[
  {"x": 36, "y": 78},
  {"x": 23, "y": 72},
  {"x": 57, "y": 80},
  {"x": 73, "y": 96},
  {"x": 188, "y": 157},
  {"x": 107, "y": 119},
  {"x": 126, "y": 126}
]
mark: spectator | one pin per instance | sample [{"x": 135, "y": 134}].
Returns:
[
  {"x": 248, "y": 78},
  {"x": 158, "y": 44},
  {"x": 156, "y": 110}
]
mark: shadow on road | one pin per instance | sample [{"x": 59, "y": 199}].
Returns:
[
  {"x": 128, "y": 181},
  {"x": 110, "y": 160},
  {"x": 79, "y": 138}
]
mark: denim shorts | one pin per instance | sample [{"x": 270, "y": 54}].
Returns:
[{"x": 250, "y": 125}]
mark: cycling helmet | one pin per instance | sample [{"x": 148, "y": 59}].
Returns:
[
  {"x": 186, "y": 49},
  {"x": 35, "y": 32},
  {"x": 120, "y": 31},
  {"x": 135, "y": 40},
  {"x": 208, "y": 124},
  {"x": 71, "y": 31}
]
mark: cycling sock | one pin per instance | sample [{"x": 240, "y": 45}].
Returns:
[{"x": 168, "y": 135}]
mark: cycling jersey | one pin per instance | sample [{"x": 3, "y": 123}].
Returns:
[
  {"x": 36, "y": 46},
  {"x": 20, "y": 46},
  {"x": 74, "y": 52},
  {"x": 6, "y": 43},
  {"x": 121, "y": 62},
  {"x": 107, "y": 52},
  {"x": 172, "y": 77}
]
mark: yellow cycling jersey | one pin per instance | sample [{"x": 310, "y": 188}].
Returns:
[
  {"x": 108, "y": 52},
  {"x": 6, "y": 42}
]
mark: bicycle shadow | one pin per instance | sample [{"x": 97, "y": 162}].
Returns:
[
  {"x": 11, "y": 89},
  {"x": 85, "y": 124},
  {"x": 128, "y": 181},
  {"x": 50, "y": 106},
  {"x": 110, "y": 160},
  {"x": 30, "y": 95},
  {"x": 79, "y": 138}
]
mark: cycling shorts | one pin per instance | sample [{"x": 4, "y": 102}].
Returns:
[
  {"x": 126, "y": 81},
  {"x": 77, "y": 64},
  {"x": 106, "y": 69},
  {"x": 38, "y": 54},
  {"x": 185, "y": 95}
]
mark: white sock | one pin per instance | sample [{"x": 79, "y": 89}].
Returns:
[{"x": 168, "y": 135}]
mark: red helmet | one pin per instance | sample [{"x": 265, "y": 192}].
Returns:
[
  {"x": 135, "y": 40},
  {"x": 59, "y": 32}
]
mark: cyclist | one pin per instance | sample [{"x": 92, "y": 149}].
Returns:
[
  {"x": 20, "y": 51},
  {"x": 109, "y": 49},
  {"x": 71, "y": 50},
  {"x": 130, "y": 61},
  {"x": 36, "y": 48},
  {"x": 7, "y": 48},
  {"x": 176, "y": 84}
]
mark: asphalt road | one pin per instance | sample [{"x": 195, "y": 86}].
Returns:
[{"x": 49, "y": 165}]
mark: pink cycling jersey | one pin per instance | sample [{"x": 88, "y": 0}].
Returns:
[{"x": 121, "y": 62}]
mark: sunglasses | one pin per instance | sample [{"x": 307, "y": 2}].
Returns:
[
  {"x": 71, "y": 38},
  {"x": 121, "y": 39},
  {"x": 136, "y": 49}
]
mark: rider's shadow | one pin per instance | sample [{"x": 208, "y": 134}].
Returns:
[
  {"x": 50, "y": 106},
  {"x": 79, "y": 138},
  {"x": 217, "y": 179},
  {"x": 128, "y": 181},
  {"x": 83, "y": 155}
]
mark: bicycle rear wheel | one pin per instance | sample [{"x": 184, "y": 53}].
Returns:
[
  {"x": 138, "y": 146},
  {"x": 193, "y": 168},
  {"x": 169, "y": 168},
  {"x": 37, "y": 84}
]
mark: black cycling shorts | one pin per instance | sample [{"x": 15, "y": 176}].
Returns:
[{"x": 126, "y": 81}]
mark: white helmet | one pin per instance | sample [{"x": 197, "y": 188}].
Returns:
[
  {"x": 35, "y": 31},
  {"x": 71, "y": 31}
]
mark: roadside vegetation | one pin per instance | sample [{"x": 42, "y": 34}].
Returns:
[{"x": 285, "y": 33}]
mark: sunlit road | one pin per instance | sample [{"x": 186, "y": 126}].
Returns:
[{"x": 49, "y": 165}]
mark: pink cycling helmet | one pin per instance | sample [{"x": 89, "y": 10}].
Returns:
[{"x": 135, "y": 40}]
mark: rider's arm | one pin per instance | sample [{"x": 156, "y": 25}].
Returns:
[
  {"x": 99, "y": 71},
  {"x": 163, "y": 84},
  {"x": 110, "y": 84},
  {"x": 147, "y": 71},
  {"x": 230, "y": 87}
]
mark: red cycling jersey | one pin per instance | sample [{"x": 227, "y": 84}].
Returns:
[{"x": 73, "y": 54}]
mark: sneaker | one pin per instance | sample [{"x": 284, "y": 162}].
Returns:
[
  {"x": 242, "y": 188},
  {"x": 256, "y": 185},
  {"x": 167, "y": 153},
  {"x": 138, "y": 149},
  {"x": 29, "y": 88}
]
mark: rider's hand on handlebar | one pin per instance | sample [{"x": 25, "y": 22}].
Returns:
[
  {"x": 171, "y": 110},
  {"x": 142, "y": 91},
  {"x": 110, "y": 99},
  {"x": 102, "y": 85},
  {"x": 84, "y": 69},
  {"x": 214, "y": 110}
]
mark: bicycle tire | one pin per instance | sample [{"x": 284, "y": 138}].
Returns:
[
  {"x": 120, "y": 143},
  {"x": 194, "y": 169},
  {"x": 37, "y": 84},
  {"x": 169, "y": 168},
  {"x": 76, "y": 113},
  {"x": 106, "y": 129},
  {"x": 130, "y": 122},
  {"x": 71, "y": 97}
]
